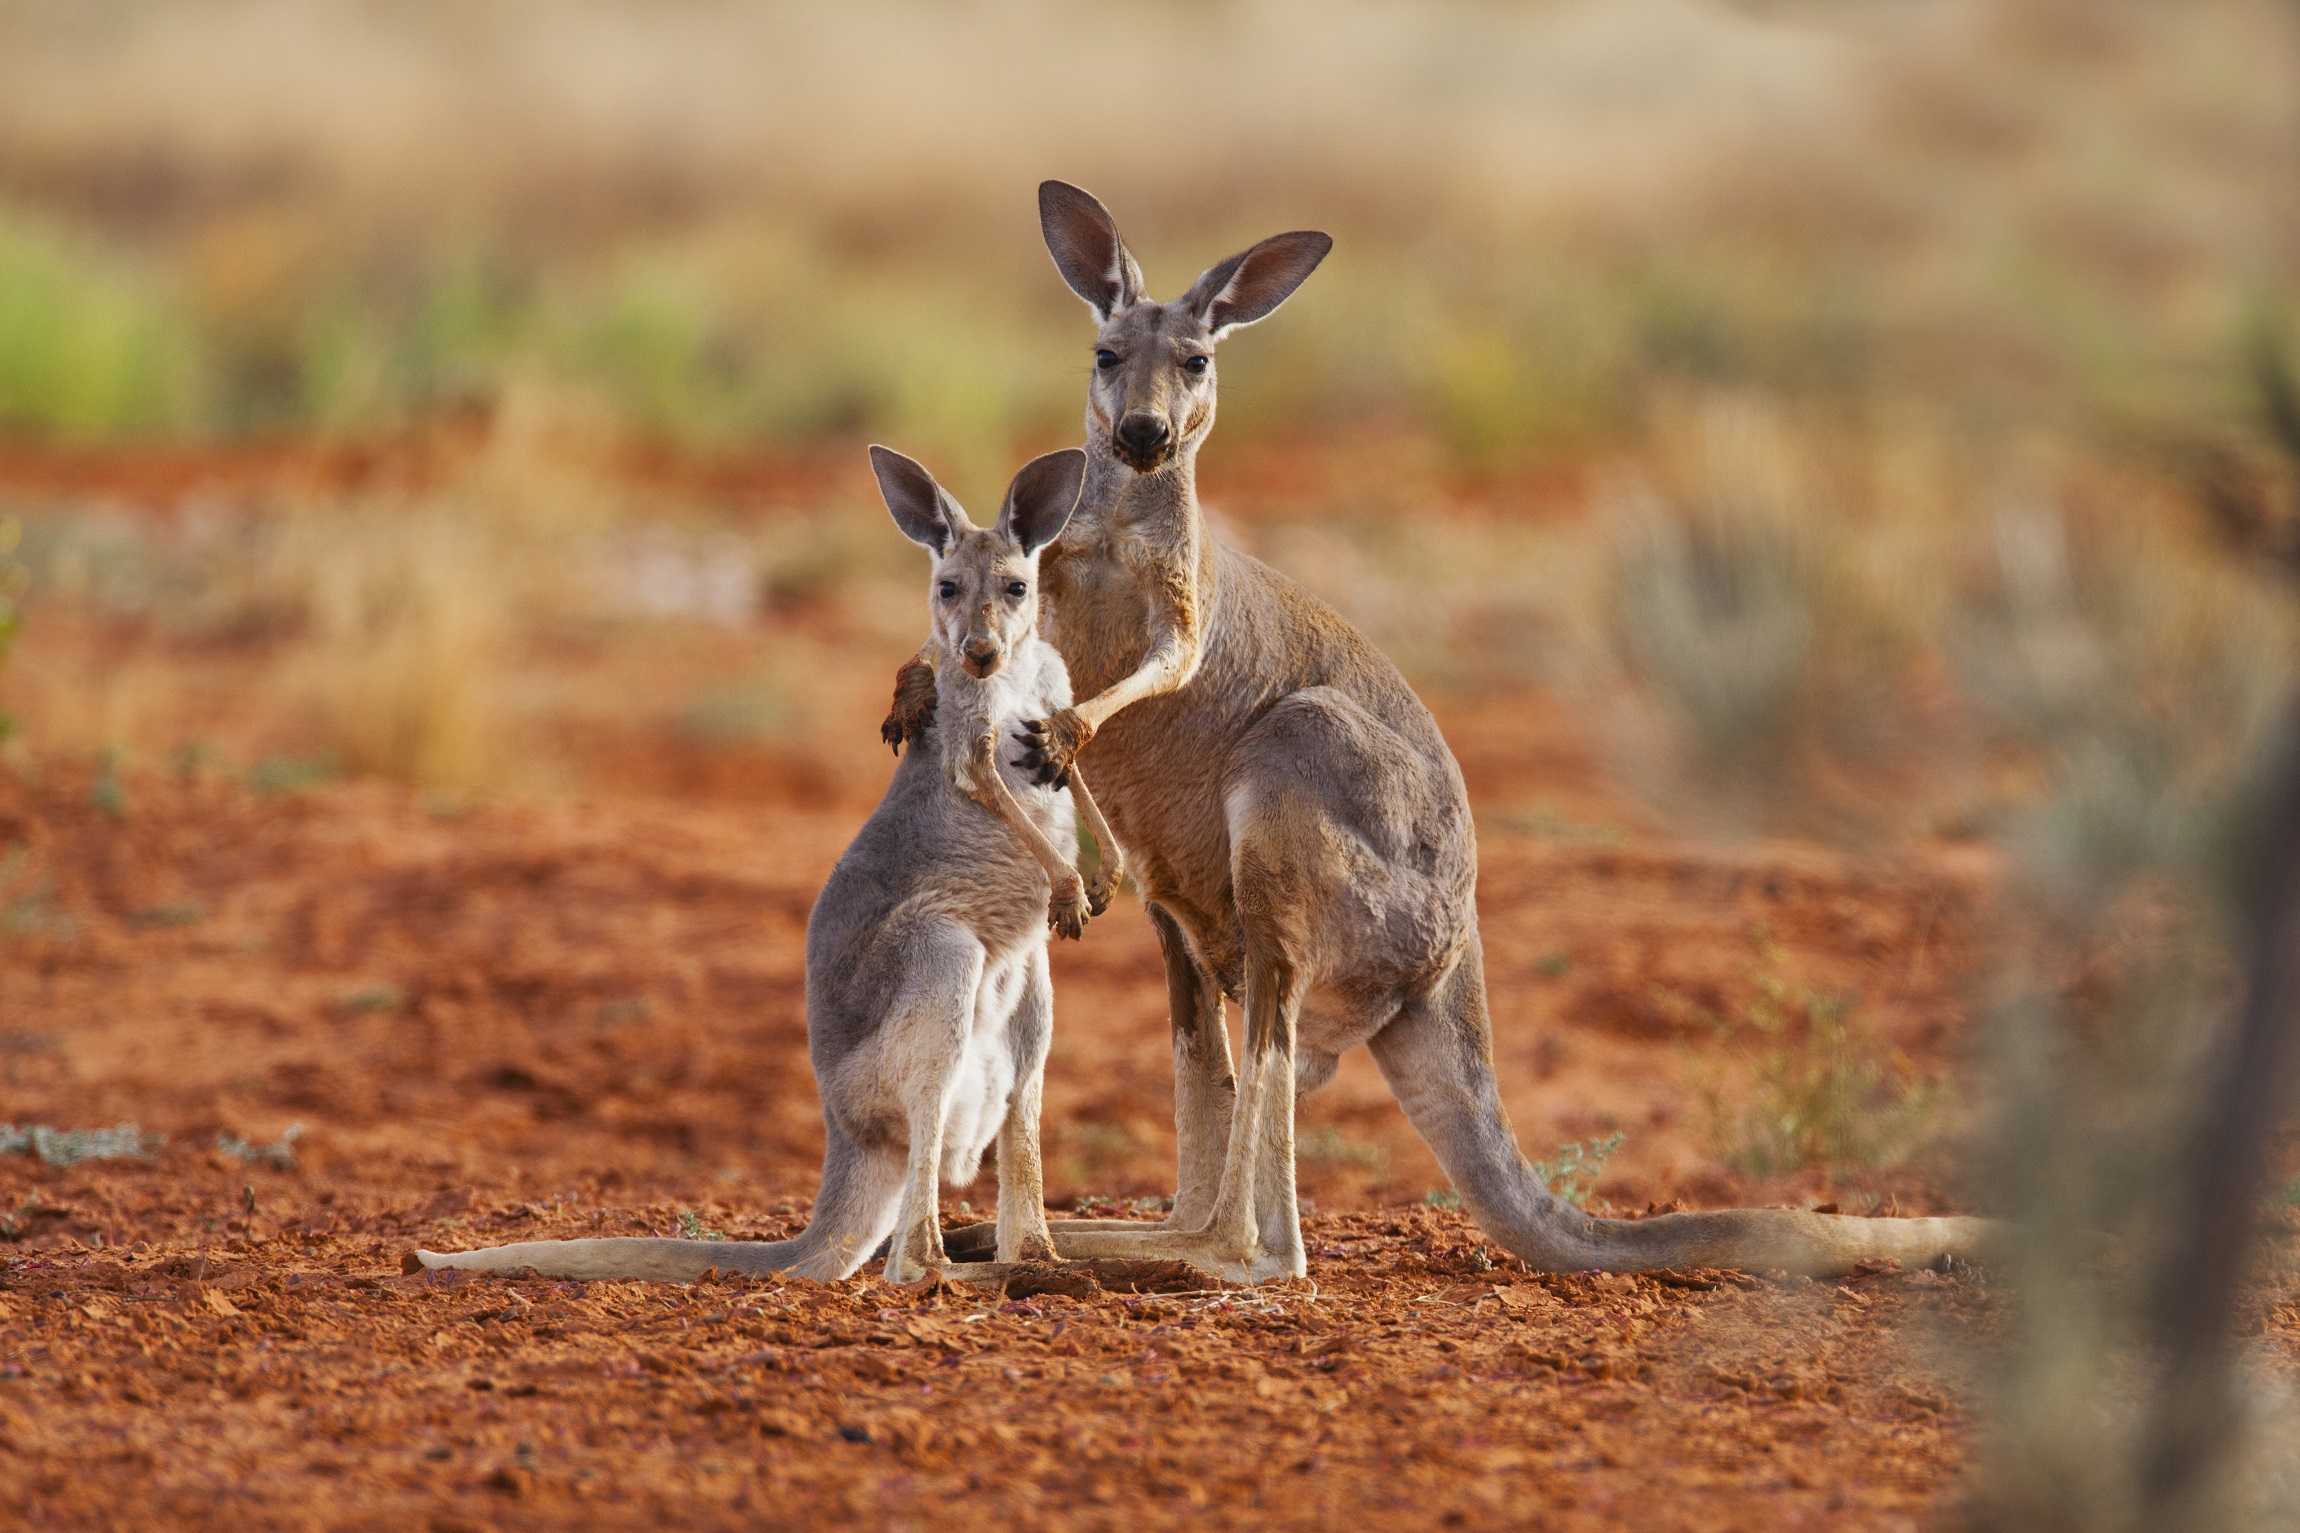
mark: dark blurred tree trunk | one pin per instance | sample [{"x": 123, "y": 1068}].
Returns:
[{"x": 2193, "y": 1420}]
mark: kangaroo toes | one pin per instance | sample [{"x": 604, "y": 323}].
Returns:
[
  {"x": 1067, "y": 910},
  {"x": 1057, "y": 742}
]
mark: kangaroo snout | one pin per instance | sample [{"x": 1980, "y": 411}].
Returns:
[
  {"x": 1144, "y": 440},
  {"x": 982, "y": 658}
]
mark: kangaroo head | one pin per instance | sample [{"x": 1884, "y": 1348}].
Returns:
[
  {"x": 984, "y": 598},
  {"x": 1152, "y": 394}
]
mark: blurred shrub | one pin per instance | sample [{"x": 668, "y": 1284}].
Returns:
[
  {"x": 1811, "y": 1084},
  {"x": 14, "y": 577},
  {"x": 90, "y": 349},
  {"x": 72, "y": 1146},
  {"x": 2140, "y": 685},
  {"x": 1544, "y": 213},
  {"x": 1572, "y": 1170},
  {"x": 2140, "y": 675},
  {"x": 1774, "y": 647},
  {"x": 406, "y": 625}
]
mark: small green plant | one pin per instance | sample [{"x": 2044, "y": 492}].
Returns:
[
  {"x": 174, "y": 913},
  {"x": 1548, "y": 825},
  {"x": 372, "y": 998},
  {"x": 71, "y": 1146},
  {"x": 1096, "y": 1206},
  {"x": 1442, "y": 1197},
  {"x": 1822, "y": 1089},
  {"x": 189, "y": 759},
  {"x": 1330, "y": 1145},
  {"x": 14, "y": 577},
  {"x": 280, "y": 1155},
  {"x": 1572, "y": 1171},
  {"x": 691, "y": 1227},
  {"x": 28, "y": 907},
  {"x": 107, "y": 792},
  {"x": 635, "y": 1008},
  {"x": 275, "y": 776}
]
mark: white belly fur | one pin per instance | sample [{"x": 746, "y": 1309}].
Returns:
[{"x": 984, "y": 1079}]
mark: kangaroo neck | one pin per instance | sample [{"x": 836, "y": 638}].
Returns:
[
  {"x": 966, "y": 707},
  {"x": 1121, "y": 500}
]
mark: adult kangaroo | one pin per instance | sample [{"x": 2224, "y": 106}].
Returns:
[{"x": 1298, "y": 829}]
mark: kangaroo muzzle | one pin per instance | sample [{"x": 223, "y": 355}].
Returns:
[
  {"x": 1143, "y": 440},
  {"x": 982, "y": 658}
]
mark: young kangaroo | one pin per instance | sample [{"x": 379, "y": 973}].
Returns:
[
  {"x": 1300, "y": 832},
  {"x": 928, "y": 1003}
]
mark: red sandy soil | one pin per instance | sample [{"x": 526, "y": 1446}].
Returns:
[
  {"x": 547, "y": 1019},
  {"x": 583, "y": 1015}
]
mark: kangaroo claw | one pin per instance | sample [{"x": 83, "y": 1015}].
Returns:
[
  {"x": 1067, "y": 910},
  {"x": 912, "y": 712},
  {"x": 1051, "y": 745},
  {"x": 1100, "y": 891}
]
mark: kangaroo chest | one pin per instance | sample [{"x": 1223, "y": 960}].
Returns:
[{"x": 1097, "y": 613}]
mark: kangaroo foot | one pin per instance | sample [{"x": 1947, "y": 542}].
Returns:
[
  {"x": 1078, "y": 1279},
  {"x": 979, "y": 1242},
  {"x": 1216, "y": 1255},
  {"x": 912, "y": 711},
  {"x": 971, "y": 1242},
  {"x": 1049, "y": 746}
]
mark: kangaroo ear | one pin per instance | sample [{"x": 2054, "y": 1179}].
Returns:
[
  {"x": 1251, "y": 284},
  {"x": 922, "y": 509},
  {"x": 1083, "y": 239},
  {"x": 1039, "y": 502}
]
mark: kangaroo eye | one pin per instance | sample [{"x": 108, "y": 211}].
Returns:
[
  {"x": 1106, "y": 359},
  {"x": 949, "y": 589},
  {"x": 1195, "y": 365},
  {"x": 1017, "y": 588}
]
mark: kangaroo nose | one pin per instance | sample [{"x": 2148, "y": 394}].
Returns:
[
  {"x": 981, "y": 654},
  {"x": 1143, "y": 434}
]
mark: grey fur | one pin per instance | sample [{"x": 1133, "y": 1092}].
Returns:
[
  {"x": 929, "y": 1008},
  {"x": 1300, "y": 832}
]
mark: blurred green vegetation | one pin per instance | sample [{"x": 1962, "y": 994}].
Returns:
[
  {"x": 775, "y": 339},
  {"x": 92, "y": 348}
]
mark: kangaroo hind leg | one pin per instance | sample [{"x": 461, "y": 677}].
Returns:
[
  {"x": 920, "y": 1048},
  {"x": 1205, "y": 1094},
  {"x": 1022, "y": 1232},
  {"x": 1252, "y": 1230}
]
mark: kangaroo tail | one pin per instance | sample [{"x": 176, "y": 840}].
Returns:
[
  {"x": 854, "y": 1212},
  {"x": 1438, "y": 1058}
]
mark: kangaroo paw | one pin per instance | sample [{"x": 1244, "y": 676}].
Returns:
[
  {"x": 1049, "y": 746},
  {"x": 1067, "y": 910},
  {"x": 912, "y": 711},
  {"x": 1102, "y": 888}
]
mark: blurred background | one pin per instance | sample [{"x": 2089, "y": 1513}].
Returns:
[
  {"x": 1865, "y": 429},
  {"x": 1890, "y": 345}
]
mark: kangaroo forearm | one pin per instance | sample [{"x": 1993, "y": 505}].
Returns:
[
  {"x": 1113, "y": 860},
  {"x": 989, "y": 790},
  {"x": 1168, "y": 668}
]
